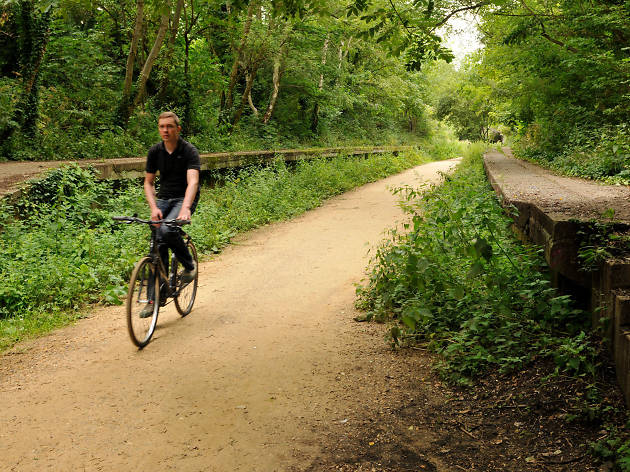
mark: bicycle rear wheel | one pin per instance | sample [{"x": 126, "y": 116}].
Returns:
[
  {"x": 185, "y": 294},
  {"x": 144, "y": 291}
]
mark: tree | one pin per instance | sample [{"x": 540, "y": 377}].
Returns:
[
  {"x": 33, "y": 31},
  {"x": 129, "y": 102},
  {"x": 565, "y": 63},
  {"x": 298, "y": 71}
]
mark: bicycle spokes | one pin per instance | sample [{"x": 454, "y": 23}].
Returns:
[{"x": 143, "y": 302}]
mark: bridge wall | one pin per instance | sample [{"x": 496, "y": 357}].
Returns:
[
  {"x": 605, "y": 291},
  {"x": 133, "y": 167}
]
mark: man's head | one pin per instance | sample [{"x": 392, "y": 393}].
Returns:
[{"x": 168, "y": 125}]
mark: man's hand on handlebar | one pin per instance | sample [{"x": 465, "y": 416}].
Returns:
[
  {"x": 156, "y": 215},
  {"x": 135, "y": 219},
  {"x": 184, "y": 214}
]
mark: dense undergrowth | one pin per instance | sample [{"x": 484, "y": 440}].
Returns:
[
  {"x": 65, "y": 251},
  {"x": 602, "y": 154},
  {"x": 457, "y": 281},
  {"x": 54, "y": 145}
]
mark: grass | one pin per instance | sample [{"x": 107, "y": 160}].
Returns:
[
  {"x": 64, "y": 252},
  {"x": 459, "y": 280},
  {"x": 459, "y": 283}
]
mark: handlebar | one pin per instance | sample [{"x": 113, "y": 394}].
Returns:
[{"x": 134, "y": 219}]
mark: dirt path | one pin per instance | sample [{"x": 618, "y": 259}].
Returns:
[
  {"x": 12, "y": 174},
  {"x": 559, "y": 196},
  {"x": 266, "y": 374}
]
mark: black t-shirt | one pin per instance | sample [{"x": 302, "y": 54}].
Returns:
[{"x": 173, "y": 167}]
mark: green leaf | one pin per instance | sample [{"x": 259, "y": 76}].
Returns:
[
  {"x": 475, "y": 270},
  {"x": 457, "y": 292},
  {"x": 483, "y": 249},
  {"x": 410, "y": 321}
]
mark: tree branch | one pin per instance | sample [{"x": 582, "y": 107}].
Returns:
[
  {"x": 544, "y": 33},
  {"x": 400, "y": 18},
  {"x": 524, "y": 15},
  {"x": 556, "y": 41},
  {"x": 455, "y": 12}
]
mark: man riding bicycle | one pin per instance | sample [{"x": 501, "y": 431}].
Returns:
[{"x": 179, "y": 164}]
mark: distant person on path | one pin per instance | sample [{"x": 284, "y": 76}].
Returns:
[{"x": 179, "y": 165}]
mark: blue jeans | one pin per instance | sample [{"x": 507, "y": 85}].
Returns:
[{"x": 171, "y": 238}]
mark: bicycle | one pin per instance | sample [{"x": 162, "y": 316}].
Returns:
[{"x": 149, "y": 283}]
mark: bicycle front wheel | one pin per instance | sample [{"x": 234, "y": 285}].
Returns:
[
  {"x": 143, "y": 302},
  {"x": 186, "y": 293}
]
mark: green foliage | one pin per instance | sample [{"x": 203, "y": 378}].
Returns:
[
  {"x": 53, "y": 258},
  {"x": 63, "y": 250},
  {"x": 426, "y": 48},
  {"x": 601, "y": 241},
  {"x": 25, "y": 31},
  {"x": 614, "y": 447},
  {"x": 602, "y": 154},
  {"x": 458, "y": 280},
  {"x": 465, "y": 99},
  {"x": 367, "y": 95},
  {"x": 561, "y": 72}
]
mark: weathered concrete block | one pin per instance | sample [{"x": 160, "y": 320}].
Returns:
[
  {"x": 622, "y": 308},
  {"x": 547, "y": 207},
  {"x": 623, "y": 365},
  {"x": 616, "y": 275},
  {"x": 596, "y": 295}
]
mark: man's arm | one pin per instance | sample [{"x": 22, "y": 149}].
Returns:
[
  {"x": 149, "y": 193},
  {"x": 192, "y": 179}
]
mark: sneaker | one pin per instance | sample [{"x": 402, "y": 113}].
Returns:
[
  {"x": 189, "y": 275},
  {"x": 147, "y": 311}
]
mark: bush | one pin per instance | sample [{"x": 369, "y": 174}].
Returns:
[
  {"x": 598, "y": 154},
  {"x": 65, "y": 251},
  {"x": 458, "y": 280}
]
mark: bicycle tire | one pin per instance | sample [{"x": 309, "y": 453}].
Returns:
[
  {"x": 185, "y": 295},
  {"x": 141, "y": 329}
]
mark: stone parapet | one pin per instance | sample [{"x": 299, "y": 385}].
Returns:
[
  {"x": 555, "y": 212},
  {"x": 133, "y": 167}
]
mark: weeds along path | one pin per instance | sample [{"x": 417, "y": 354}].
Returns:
[{"x": 251, "y": 380}]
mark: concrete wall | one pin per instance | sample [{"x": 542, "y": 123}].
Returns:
[
  {"x": 605, "y": 291},
  {"x": 133, "y": 167}
]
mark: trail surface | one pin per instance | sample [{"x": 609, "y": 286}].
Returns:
[
  {"x": 560, "y": 197},
  {"x": 266, "y": 374}
]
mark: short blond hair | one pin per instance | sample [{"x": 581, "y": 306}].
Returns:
[{"x": 169, "y": 114}]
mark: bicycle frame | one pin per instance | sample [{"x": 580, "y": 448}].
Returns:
[
  {"x": 157, "y": 261},
  {"x": 154, "y": 252},
  {"x": 151, "y": 286}
]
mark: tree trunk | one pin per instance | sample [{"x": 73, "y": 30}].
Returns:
[
  {"x": 277, "y": 74},
  {"x": 187, "y": 118},
  {"x": 340, "y": 54},
  {"x": 324, "y": 52},
  {"x": 148, "y": 65},
  {"x": 248, "y": 90},
  {"x": 343, "y": 52},
  {"x": 175, "y": 24},
  {"x": 36, "y": 31},
  {"x": 315, "y": 116},
  {"x": 170, "y": 46},
  {"x": 278, "y": 69},
  {"x": 251, "y": 102},
  {"x": 237, "y": 55},
  {"x": 31, "y": 80},
  {"x": 133, "y": 52}
]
